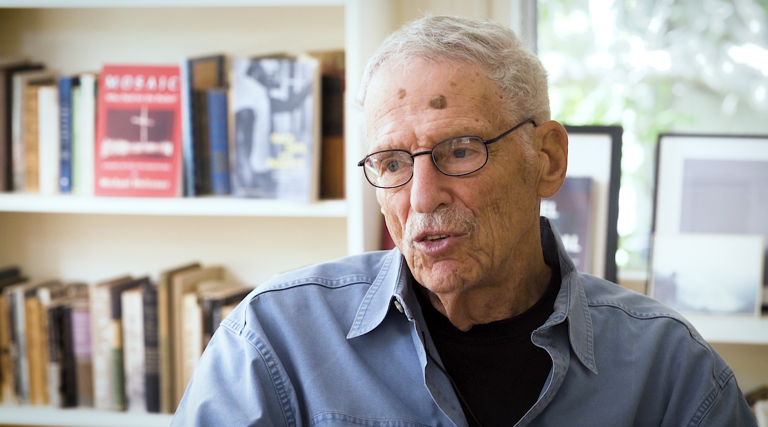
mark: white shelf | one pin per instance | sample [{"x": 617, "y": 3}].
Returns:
[
  {"x": 731, "y": 329},
  {"x": 44, "y": 416},
  {"x": 186, "y": 206},
  {"x": 163, "y": 3}
]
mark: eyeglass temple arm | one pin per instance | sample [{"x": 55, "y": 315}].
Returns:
[{"x": 491, "y": 141}]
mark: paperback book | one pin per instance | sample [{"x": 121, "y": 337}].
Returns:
[
  {"x": 275, "y": 101},
  {"x": 138, "y": 132}
]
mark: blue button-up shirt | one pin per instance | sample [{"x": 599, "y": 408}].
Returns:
[{"x": 343, "y": 344}]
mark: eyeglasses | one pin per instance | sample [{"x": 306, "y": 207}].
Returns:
[{"x": 458, "y": 156}]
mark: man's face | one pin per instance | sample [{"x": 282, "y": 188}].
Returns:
[{"x": 492, "y": 213}]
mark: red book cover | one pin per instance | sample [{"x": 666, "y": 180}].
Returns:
[{"x": 138, "y": 132}]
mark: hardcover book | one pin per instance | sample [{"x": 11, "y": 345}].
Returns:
[
  {"x": 9, "y": 67},
  {"x": 189, "y": 283},
  {"x": 332, "y": 127},
  {"x": 199, "y": 75},
  {"x": 102, "y": 337},
  {"x": 66, "y": 85},
  {"x": 22, "y": 117},
  {"x": 48, "y": 139},
  {"x": 7, "y": 387},
  {"x": 84, "y": 134},
  {"x": 571, "y": 210},
  {"x": 276, "y": 106},
  {"x": 166, "y": 336},
  {"x": 218, "y": 140},
  {"x": 140, "y": 344},
  {"x": 138, "y": 132}
]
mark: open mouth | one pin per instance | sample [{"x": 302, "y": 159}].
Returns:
[{"x": 436, "y": 238}]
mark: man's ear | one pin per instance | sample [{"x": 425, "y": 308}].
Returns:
[{"x": 551, "y": 141}]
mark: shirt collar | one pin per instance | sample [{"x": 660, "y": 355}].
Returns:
[{"x": 393, "y": 283}]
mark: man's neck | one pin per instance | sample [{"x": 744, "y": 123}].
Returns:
[{"x": 486, "y": 304}]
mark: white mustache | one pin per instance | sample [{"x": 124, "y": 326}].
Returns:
[{"x": 450, "y": 218}]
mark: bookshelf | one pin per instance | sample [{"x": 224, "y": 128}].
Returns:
[
  {"x": 91, "y": 239},
  {"x": 78, "y": 238}
]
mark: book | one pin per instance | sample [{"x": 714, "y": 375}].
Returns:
[
  {"x": 215, "y": 305},
  {"x": 276, "y": 107},
  {"x": 48, "y": 139},
  {"x": 200, "y": 74},
  {"x": 19, "y": 350},
  {"x": 117, "y": 366},
  {"x": 571, "y": 210},
  {"x": 140, "y": 343},
  {"x": 66, "y": 86},
  {"x": 84, "y": 134},
  {"x": 36, "y": 303},
  {"x": 102, "y": 336},
  {"x": 138, "y": 132},
  {"x": 218, "y": 139},
  {"x": 7, "y": 387},
  {"x": 8, "y": 68},
  {"x": 332, "y": 123},
  {"x": 70, "y": 369},
  {"x": 165, "y": 337},
  {"x": 78, "y": 300},
  {"x": 184, "y": 283},
  {"x": 21, "y": 117}
]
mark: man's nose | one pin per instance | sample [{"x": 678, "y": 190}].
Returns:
[{"x": 429, "y": 187}]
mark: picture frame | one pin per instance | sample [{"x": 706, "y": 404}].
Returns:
[
  {"x": 708, "y": 273},
  {"x": 595, "y": 152},
  {"x": 714, "y": 184}
]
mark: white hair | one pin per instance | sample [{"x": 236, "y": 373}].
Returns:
[{"x": 491, "y": 47}]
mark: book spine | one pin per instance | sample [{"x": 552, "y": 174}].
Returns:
[
  {"x": 6, "y": 366},
  {"x": 68, "y": 362},
  {"x": 17, "y": 135},
  {"x": 81, "y": 348},
  {"x": 75, "y": 148},
  {"x": 188, "y": 153},
  {"x": 54, "y": 359},
  {"x": 192, "y": 339},
  {"x": 38, "y": 390},
  {"x": 164, "y": 346},
  {"x": 48, "y": 140},
  {"x": 85, "y": 139},
  {"x": 19, "y": 347},
  {"x": 200, "y": 143},
  {"x": 208, "y": 308},
  {"x": 117, "y": 366},
  {"x": 133, "y": 350},
  {"x": 101, "y": 345},
  {"x": 151, "y": 351},
  {"x": 65, "y": 134},
  {"x": 218, "y": 137},
  {"x": 31, "y": 148}
]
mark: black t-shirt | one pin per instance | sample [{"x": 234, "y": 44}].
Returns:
[{"x": 497, "y": 371}]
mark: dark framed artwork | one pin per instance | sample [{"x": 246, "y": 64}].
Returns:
[
  {"x": 712, "y": 185},
  {"x": 586, "y": 209}
]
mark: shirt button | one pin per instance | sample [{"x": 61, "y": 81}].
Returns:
[{"x": 399, "y": 306}]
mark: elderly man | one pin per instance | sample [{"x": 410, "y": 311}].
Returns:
[{"x": 478, "y": 317}]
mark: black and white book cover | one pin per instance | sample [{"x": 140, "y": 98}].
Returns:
[{"x": 275, "y": 103}]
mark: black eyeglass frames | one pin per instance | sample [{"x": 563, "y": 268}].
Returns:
[{"x": 457, "y": 156}]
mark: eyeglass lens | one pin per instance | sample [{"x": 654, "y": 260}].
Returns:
[{"x": 457, "y": 156}]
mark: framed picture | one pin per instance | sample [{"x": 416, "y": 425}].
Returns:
[
  {"x": 586, "y": 209},
  {"x": 712, "y": 184},
  {"x": 708, "y": 273}
]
